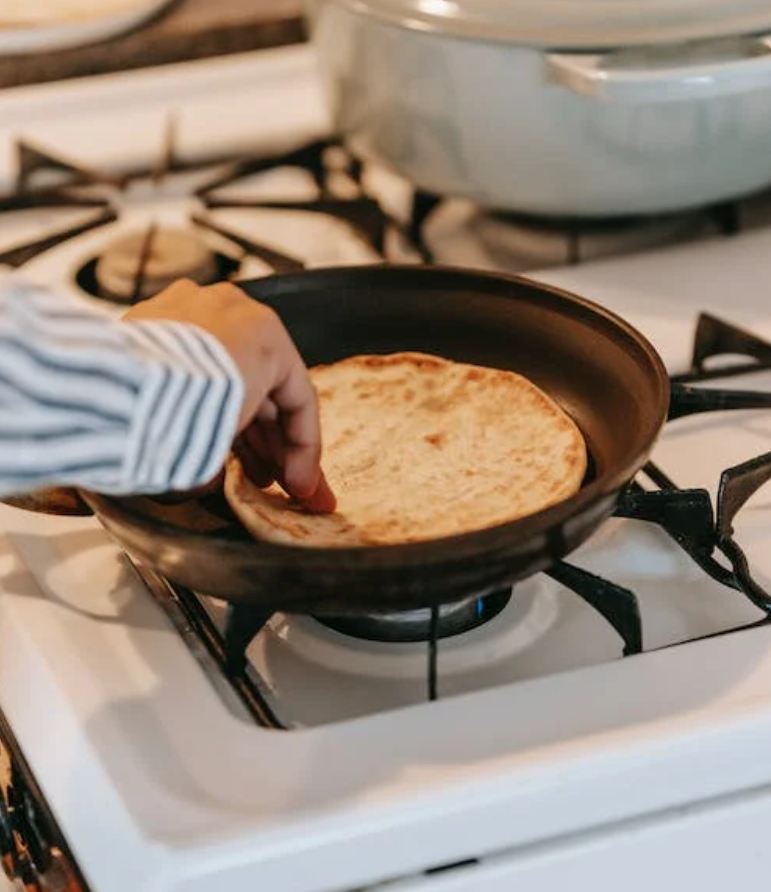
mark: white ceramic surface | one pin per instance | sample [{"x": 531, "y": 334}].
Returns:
[
  {"x": 46, "y": 29},
  {"x": 511, "y": 127}
]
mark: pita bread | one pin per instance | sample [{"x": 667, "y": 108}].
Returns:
[{"x": 417, "y": 447}]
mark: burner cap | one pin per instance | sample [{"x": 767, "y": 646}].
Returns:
[
  {"x": 415, "y": 625},
  {"x": 172, "y": 254}
]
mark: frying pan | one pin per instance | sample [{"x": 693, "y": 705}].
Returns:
[{"x": 595, "y": 365}]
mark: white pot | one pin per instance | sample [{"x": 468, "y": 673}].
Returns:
[{"x": 523, "y": 127}]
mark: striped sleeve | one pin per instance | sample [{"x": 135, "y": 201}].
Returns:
[{"x": 116, "y": 407}]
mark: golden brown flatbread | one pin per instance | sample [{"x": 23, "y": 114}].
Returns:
[{"x": 417, "y": 447}]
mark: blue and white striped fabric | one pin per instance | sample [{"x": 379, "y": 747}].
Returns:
[{"x": 111, "y": 406}]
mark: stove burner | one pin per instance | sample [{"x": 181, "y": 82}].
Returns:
[
  {"x": 416, "y": 625},
  {"x": 138, "y": 265}
]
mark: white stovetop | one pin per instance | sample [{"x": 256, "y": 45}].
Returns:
[{"x": 159, "y": 787}]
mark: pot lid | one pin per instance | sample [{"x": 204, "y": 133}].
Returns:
[{"x": 576, "y": 24}]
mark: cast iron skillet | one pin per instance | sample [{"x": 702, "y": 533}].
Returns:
[{"x": 605, "y": 374}]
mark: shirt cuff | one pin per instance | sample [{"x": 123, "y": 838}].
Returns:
[{"x": 187, "y": 410}]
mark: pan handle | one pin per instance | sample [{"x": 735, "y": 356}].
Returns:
[{"x": 686, "y": 400}]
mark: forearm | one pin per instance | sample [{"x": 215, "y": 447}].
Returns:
[{"x": 111, "y": 406}]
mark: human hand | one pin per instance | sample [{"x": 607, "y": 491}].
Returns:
[{"x": 279, "y": 436}]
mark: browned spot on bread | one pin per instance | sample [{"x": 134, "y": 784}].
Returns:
[{"x": 435, "y": 439}]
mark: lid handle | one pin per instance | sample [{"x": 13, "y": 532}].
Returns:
[{"x": 600, "y": 77}]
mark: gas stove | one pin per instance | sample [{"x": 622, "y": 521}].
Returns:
[{"x": 616, "y": 709}]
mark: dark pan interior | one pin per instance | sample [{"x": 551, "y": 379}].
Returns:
[
  {"x": 597, "y": 367},
  {"x": 584, "y": 359}
]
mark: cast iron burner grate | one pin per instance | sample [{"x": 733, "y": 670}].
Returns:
[
  {"x": 32, "y": 161},
  {"x": 81, "y": 187}
]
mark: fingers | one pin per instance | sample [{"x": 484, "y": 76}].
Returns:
[
  {"x": 296, "y": 402},
  {"x": 262, "y": 452},
  {"x": 291, "y": 432},
  {"x": 322, "y": 501},
  {"x": 268, "y": 411},
  {"x": 255, "y": 457}
]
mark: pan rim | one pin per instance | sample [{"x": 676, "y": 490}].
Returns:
[{"x": 461, "y": 545}]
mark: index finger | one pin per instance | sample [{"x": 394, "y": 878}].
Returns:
[{"x": 297, "y": 404}]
